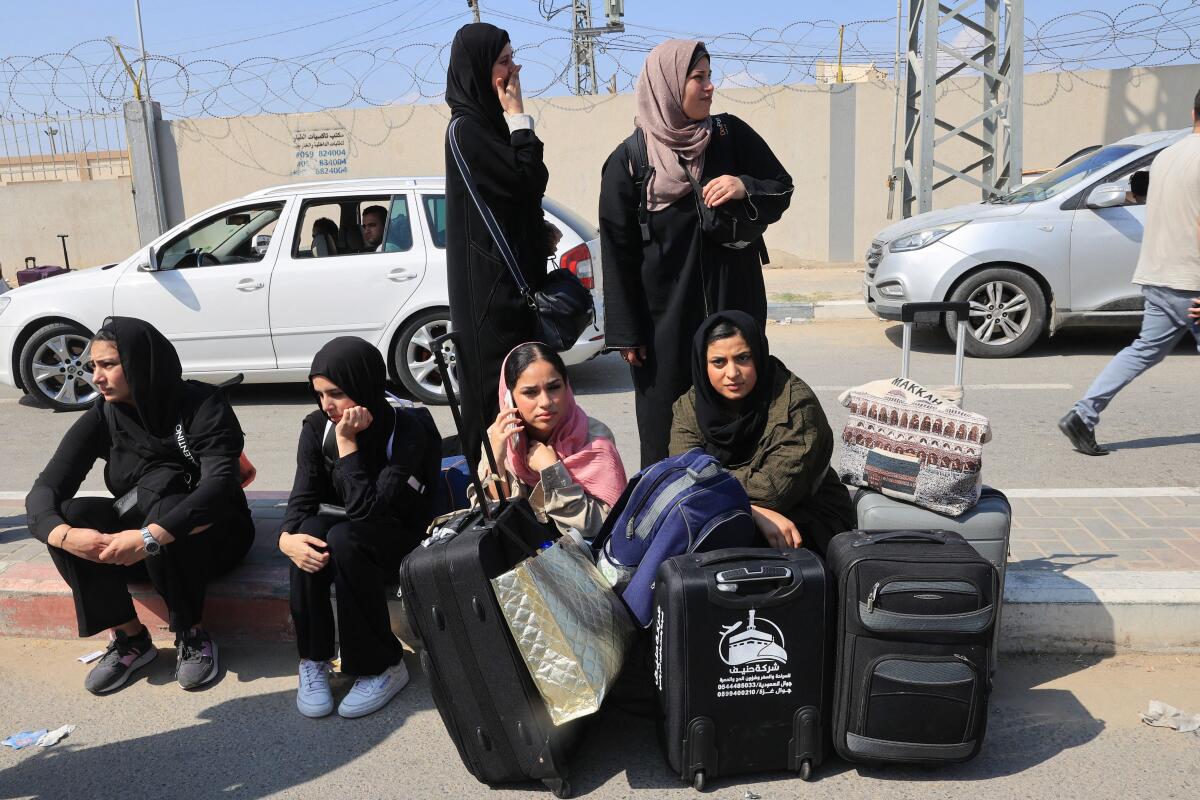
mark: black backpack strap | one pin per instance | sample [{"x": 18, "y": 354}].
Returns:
[{"x": 639, "y": 167}]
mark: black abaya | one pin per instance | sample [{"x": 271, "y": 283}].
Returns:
[
  {"x": 486, "y": 309},
  {"x": 656, "y": 295}
]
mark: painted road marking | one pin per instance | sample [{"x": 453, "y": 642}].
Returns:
[{"x": 976, "y": 387}]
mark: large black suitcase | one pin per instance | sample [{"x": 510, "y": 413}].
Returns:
[
  {"x": 481, "y": 685},
  {"x": 742, "y": 661},
  {"x": 914, "y": 639}
]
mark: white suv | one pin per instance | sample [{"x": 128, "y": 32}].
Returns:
[{"x": 258, "y": 285}]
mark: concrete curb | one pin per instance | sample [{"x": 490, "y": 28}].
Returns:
[{"x": 1100, "y": 612}]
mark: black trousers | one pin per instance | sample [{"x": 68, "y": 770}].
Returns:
[
  {"x": 363, "y": 560},
  {"x": 179, "y": 573}
]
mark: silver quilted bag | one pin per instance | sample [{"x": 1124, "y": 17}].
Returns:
[{"x": 571, "y": 629}]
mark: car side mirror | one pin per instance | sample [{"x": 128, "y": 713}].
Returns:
[
  {"x": 151, "y": 262},
  {"x": 1107, "y": 195}
]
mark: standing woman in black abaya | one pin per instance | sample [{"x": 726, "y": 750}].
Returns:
[{"x": 504, "y": 156}]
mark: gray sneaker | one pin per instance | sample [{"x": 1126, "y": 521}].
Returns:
[
  {"x": 195, "y": 658},
  {"x": 124, "y": 655}
]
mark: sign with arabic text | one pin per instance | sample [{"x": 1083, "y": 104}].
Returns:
[{"x": 320, "y": 153}]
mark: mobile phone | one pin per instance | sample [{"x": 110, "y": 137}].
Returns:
[{"x": 508, "y": 396}]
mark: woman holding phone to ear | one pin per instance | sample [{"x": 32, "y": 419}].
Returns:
[
  {"x": 496, "y": 139},
  {"x": 547, "y": 448}
]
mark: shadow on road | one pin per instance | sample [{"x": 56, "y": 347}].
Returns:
[{"x": 1154, "y": 441}]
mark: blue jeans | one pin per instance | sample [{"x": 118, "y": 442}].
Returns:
[{"x": 1165, "y": 323}]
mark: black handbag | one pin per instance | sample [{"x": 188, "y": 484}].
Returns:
[{"x": 562, "y": 305}]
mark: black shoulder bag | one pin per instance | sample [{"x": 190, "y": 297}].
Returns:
[{"x": 562, "y": 305}]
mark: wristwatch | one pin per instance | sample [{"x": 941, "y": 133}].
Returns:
[{"x": 150, "y": 543}]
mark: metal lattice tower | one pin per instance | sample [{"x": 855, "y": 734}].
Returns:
[
  {"x": 998, "y": 55},
  {"x": 583, "y": 40}
]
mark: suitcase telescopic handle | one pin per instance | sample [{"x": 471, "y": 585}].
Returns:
[
  {"x": 908, "y": 315},
  {"x": 439, "y": 357},
  {"x": 730, "y": 580}
]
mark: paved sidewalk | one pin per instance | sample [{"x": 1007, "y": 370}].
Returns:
[{"x": 1115, "y": 570}]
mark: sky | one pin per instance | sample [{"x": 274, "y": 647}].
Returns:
[{"x": 225, "y": 57}]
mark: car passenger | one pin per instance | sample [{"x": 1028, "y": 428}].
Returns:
[
  {"x": 324, "y": 237},
  {"x": 171, "y": 450},
  {"x": 1139, "y": 187},
  {"x": 374, "y": 223},
  {"x": 547, "y": 448},
  {"x": 765, "y": 426},
  {"x": 360, "y": 502}
]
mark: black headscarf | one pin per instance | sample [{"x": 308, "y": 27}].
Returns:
[
  {"x": 357, "y": 368},
  {"x": 469, "y": 87},
  {"x": 153, "y": 372},
  {"x": 732, "y": 437}
]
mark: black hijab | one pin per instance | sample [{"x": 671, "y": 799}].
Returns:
[
  {"x": 154, "y": 374},
  {"x": 732, "y": 437},
  {"x": 357, "y": 368},
  {"x": 469, "y": 87}
]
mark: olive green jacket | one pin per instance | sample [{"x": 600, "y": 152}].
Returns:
[{"x": 789, "y": 471}]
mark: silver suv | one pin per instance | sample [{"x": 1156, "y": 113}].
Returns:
[{"x": 1059, "y": 251}]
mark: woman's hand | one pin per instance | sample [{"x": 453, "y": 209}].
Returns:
[
  {"x": 778, "y": 530},
  {"x": 354, "y": 421},
  {"x": 1194, "y": 311},
  {"x": 723, "y": 189},
  {"x": 540, "y": 456},
  {"x": 553, "y": 237},
  {"x": 87, "y": 543},
  {"x": 507, "y": 425},
  {"x": 634, "y": 356},
  {"x": 306, "y": 552},
  {"x": 124, "y": 548},
  {"x": 510, "y": 93}
]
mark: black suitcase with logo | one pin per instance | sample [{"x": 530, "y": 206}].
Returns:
[
  {"x": 914, "y": 638},
  {"x": 742, "y": 660},
  {"x": 481, "y": 684}
]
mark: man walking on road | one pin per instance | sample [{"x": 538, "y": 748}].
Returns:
[{"x": 1169, "y": 273}]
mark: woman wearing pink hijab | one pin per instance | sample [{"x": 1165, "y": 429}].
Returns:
[
  {"x": 547, "y": 448},
  {"x": 664, "y": 273}
]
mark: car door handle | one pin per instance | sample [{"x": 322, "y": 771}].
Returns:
[
  {"x": 249, "y": 285},
  {"x": 400, "y": 274}
]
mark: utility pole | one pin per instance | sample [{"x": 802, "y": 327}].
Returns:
[
  {"x": 999, "y": 57},
  {"x": 583, "y": 40},
  {"x": 474, "y": 6},
  {"x": 137, "y": 10}
]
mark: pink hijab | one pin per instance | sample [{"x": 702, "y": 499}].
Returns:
[
  {"x": 668, "y": 130},
  {"x": 593, "y": 464}
]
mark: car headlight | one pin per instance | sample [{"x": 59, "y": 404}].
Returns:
[
  {"x": 4, "y": 301},
  {"x": 924, "y": 237}
]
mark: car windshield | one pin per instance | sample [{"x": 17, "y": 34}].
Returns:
[{"x": 1062, "y": 178}]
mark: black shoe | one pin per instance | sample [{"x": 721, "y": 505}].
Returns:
[
  {"x": 195, "y": 659},
  {"x": 124, "y": 655},
  {"x": 1083, "y": 437}
]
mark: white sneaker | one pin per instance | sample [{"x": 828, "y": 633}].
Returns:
[
  {"x": 313, "y": 698},
  {"x": 372, "y": 692}
]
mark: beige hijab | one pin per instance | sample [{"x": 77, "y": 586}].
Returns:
[{"x": 668, "y": 130}]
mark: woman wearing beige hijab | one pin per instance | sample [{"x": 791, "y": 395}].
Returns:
[{"x": 683, "y": 203}]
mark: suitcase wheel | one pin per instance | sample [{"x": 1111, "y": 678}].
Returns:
[
  {"x": 559, "y": 786},
  {"x": 806, "y": 770},
  {"x": 698, "y": 780}
]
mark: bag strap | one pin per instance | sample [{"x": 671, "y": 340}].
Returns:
[
  {"x": 182, "y": 443},
  {"x": 639, "y": 166},
  {"x": 489, "y": 220}
]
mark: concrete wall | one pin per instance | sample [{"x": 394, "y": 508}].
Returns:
[
  {"x": 96, "y": 215},
  {"x": 835, "y": 141}
]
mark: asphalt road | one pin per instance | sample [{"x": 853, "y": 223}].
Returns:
[
  {"x": 1154, "y": 424},
  {"x": 1061, "y": 728}
]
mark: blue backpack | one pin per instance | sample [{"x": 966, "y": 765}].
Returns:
[{"x": 683, "y": 504}]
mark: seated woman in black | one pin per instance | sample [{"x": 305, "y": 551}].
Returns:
[
  {"x": 765, "y": 426},
  {"x": 171, "y": 451},
  {"x": 377, "y": 465}
]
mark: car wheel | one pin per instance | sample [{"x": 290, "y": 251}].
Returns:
[
  {"x": 52, "y": 367},
  {"x": 1008, "y": 313},
  {"x": 413, "y": 356}
]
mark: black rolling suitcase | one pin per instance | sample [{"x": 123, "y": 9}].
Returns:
[
  {"x": 481, "y": 685},
  {"x": 914, "y": 638},
  {"x": 742, "y": 661}
]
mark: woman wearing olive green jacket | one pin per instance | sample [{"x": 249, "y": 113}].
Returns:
[{"x": 766, "y": 427}]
